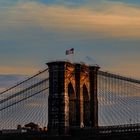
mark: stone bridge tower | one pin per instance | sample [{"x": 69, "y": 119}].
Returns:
[{"x": 72, "y": 96}]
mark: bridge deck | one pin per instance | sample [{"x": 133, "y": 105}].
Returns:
[{"x": 79, "y": 134}]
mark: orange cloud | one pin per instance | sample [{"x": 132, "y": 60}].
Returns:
[
  {"x": 119, "y": 21},
  {"x": 126, "y": 69},
  {"x": 18, "y": 70}
]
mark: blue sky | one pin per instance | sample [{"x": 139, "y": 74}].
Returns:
[
  {"x": 104, "y": 32},
  {"x": 127, "y": 1}
]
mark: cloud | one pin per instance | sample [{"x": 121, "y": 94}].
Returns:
[
  {"x": 114, "y": 22},
  {"x": 33, "y": 32},
  {"x": 126, "y": 1},
  {"x": 18, "y": 70},
  {"x": 9, "y": 80},
  {"x": 126, "y": 68}
]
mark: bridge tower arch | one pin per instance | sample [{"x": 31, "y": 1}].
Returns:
[
  {"x": 72, "y": 105},
  {"x": 86, "y": 107},
  {"x": 72, "y": 96}
]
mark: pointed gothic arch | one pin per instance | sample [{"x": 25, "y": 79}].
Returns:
[
  {"x": 72, "y": 105},
  {"x": 86, "y": 107}
]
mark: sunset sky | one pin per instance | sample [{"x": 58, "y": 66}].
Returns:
[{"x": 33, "y": 32}]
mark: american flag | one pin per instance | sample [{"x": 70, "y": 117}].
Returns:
[{"x": 70, "y": 51}]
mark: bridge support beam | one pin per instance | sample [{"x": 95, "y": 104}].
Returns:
[
  {"x": 93, "y": 73},
  {"x": 57, "y": 112},
  {"x": 77, "y": 90},
  {"x": 66, "y": 103}
]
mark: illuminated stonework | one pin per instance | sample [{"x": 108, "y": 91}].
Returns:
[{"x": 72, "y": 96}]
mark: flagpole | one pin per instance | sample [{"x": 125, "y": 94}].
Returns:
[
  {"x": 70, "y": 54},
  {"x": 73, "y": 55}
]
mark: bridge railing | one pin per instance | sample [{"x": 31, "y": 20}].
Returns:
[{"x": 119, "y": 129}]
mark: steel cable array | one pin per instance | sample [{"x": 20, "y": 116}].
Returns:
[
  {"x": 119, "y": 100},
  {"x": 25, "y": 102}
]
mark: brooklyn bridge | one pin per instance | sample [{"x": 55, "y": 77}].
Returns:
[{"x": 72, "y": 99}]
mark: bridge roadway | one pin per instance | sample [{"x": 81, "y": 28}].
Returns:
[{"x": 121, "y": 132}]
